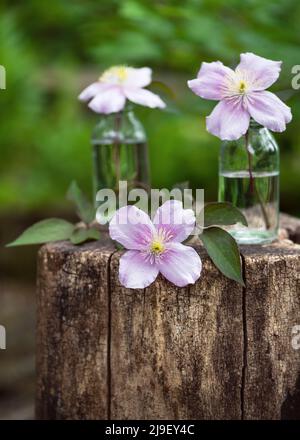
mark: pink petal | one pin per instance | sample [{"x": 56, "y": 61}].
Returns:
[
  {"x": 229, "y": 120},
  {"x": 135, "y": 271},
  {"x": 261, "y": 72},
  {"x": 180, "y": 264},
  {"x": 268, "y": 110},
  {"x": 138, "y": 77},
  {"x": 131, "y": 227},
  {"x": 143, "y": 97},
  {"x": 111, "y": 100},
  {"x": 91, "y": 91},
  {"x": 211, "y": 80},
  {"x": 176, "y": 221}
]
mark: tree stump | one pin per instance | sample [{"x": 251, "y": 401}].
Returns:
[{"x": 213, "y": 350}]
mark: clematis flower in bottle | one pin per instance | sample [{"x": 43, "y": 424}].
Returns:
[
  {"x": 156, "y": 247},
  {"x": 242, "y": 94},
  {"x": 116, "y": 85}
]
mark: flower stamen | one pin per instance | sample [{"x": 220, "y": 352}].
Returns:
[
  {"x": 114, "y": 74},
  {"x": 242, "y": 87},
  {"x": 157, "y": 247}
]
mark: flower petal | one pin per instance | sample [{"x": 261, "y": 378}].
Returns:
[
  {"x": 211, "y": 80},
  {"x": 136, "y": 272},
  {"x": 268, "y": 110},
  {"x": 92, "y": 90},
  {"x": 229, "y": 120},
  {"x": 261, "y": 72},
  {"x": 138, "y": 77},
  {"x": 180, "y": 264},
  {"x": 143, "y": 97},
  {"x": 131, "y": 227},
  {"x": 178, "y": 223},
  {"x": 112, "y": 100}
]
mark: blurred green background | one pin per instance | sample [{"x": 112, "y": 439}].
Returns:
[{"x": 51, "y": 50}]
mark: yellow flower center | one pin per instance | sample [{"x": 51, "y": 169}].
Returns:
[
  {"x": 242, "y": 86},
  {"x": 114, "y": 74},
  {"x": 238, "y": 83},
  {"x": 157, "y": 247}
]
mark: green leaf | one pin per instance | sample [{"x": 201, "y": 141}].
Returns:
[
  {"x": 118, "y": 246},
  {"x": 85, "y": 209},
  {"x": 160, "y": 86},
  {"x": 81, "y": 235},
  {"x": 222, "y": 213},
  {"x": 224, "y": 252},
  {"x": 52, "y": 229},
  {"x": 94, "y": 234}
]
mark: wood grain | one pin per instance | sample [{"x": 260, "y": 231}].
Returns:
[
  {"x": 72, "y": 332},
  {"x": 213, "y": 350},
  {"x": 176, "y": 352},
  {"x": 272, "y": 309}
]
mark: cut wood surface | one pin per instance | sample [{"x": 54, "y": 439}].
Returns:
[{"x": 213, "y": 350}]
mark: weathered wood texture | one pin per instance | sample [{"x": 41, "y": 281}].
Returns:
[
  {"x": 73, "y": 330},
  {"x": 214, "y": 350},
  {"x": 177, "y": 351},
  {"x": 272, "y": 308}
]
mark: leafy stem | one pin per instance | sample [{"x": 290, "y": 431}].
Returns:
[
  {"x": 219, "y": 244},
  {"x": 54, "y": 229}
]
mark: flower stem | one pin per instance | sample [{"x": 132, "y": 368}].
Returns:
[
  {"x": 117, "y": 160},
  {"x": 249, "y": 163},
  {"x": 263, "y": 210},
  {"x": 252, "y": 186}
]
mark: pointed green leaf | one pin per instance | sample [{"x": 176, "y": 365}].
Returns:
[
  {"x": 52, "y": 229},
  {"x": 81, "y": 235},
  {"x": 94, "y": 234},
  {"x": 160, "y": 86},
  {"x": 85, "y": 210},
  {"x": 224, "y": 252},
  {"x": 222, "y": 213},
  {"x": 118, "y": 246}
]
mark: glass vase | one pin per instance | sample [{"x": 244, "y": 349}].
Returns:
[
  {"x": 120, "y": 153},
  {"x": 249, "y": 179}
]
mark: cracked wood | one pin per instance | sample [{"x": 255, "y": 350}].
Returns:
[{"x": 210, "y": 351}]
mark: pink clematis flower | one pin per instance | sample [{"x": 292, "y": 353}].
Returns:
[
  {"x": 242, "y": 95},
  {"x": 155, "y": 246},
  {"x": 115, "y": 85}
]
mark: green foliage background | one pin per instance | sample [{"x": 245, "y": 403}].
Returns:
[{"x": 52, "y": 49}]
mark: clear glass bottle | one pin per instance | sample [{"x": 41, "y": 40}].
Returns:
[
  {"x": 120, "y": 152},
  {"x": 249, "y": 179}
]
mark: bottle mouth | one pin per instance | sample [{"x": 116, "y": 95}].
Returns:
[{"x": 127, "y": 109}]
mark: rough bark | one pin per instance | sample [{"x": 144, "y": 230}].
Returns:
[
  {"x": 72, "y": 332},
  {"x": 176, "y": 353},
  {"x": 272, "y": 308},
  {"x": 214, "y": 350}
]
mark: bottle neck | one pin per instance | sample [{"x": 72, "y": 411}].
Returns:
[
  {"x": 119, "y": 119},
  {"x": 124, "y": 113},
  {"x": 122, "y": 126}
]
